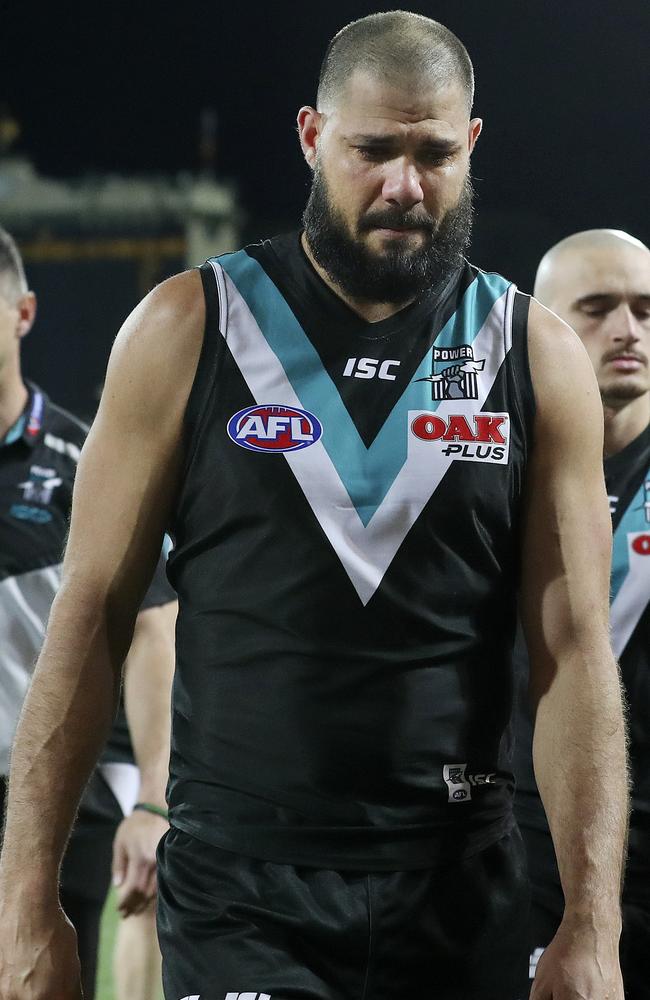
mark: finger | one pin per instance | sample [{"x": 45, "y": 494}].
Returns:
[
  {"x": 131, "y": 905},
  {"x": 149, "y": 888},
  {"x": 153, "y": 884},
  {"x": 120, "y": 862},
  {"x": 134, "y": 891}
]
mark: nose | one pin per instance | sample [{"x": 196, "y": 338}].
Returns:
[
  {"x": 627, "y": 329},
  {"x": 402, "y": 185}
]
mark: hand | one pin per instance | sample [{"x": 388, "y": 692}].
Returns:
[
  {"x": 38, "y": 954},
  {"x": 581, "y": 961},
  {"x": 134, "y": 860}
]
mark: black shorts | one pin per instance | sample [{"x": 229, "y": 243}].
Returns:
[{"x": 235, "y": 927}]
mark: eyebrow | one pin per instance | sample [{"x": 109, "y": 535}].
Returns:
[
  {"x": 597, "y": 298},
  {"x": 384, "y": 141}
]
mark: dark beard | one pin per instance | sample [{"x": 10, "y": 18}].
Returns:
[
  {"x": 398, "y": 275},
  {"x": 621, "y": 393}
]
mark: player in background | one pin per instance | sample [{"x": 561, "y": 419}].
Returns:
[
  {"x": 598, "y": 281},
  {"x": 39, "y": 449}
]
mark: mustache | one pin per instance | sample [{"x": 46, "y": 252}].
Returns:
[
  {"x": 395, "y": 218},
  {"x": 622, "y": 353}
]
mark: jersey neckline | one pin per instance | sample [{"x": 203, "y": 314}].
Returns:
[{"x": 308, "y": 286}]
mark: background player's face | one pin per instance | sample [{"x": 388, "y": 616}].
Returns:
[
  {"x": 604, "y": 294},
  {"x": 391, "y": 182},
  {"x": 16, "y": 317}
]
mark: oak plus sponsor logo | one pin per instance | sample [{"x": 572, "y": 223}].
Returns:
[
  {"x": 460, "y": 783},
  {"x": 483, "y": 437},
  {"x": 273, "y": 427},
  {"x": 640, "y": 543}
]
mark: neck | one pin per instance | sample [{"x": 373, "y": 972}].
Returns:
[
  {"x": 372, "y": 312},
  {"x": 13, "y": 397},
  {"x": 624, "y": 423}
]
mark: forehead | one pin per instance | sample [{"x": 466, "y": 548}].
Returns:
[
  {"x": 413, "y": 104},
  {"x": 617, "y": 269}
]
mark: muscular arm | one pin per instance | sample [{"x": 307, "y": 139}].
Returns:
[
  {"x": 579, "y": 743},
  {"x": 126, "y": 484}
]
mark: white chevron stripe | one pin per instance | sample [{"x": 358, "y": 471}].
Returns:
[
  {"x": 25, "y": 603},
  {"x": 632, "y": 598},
  {"x": 365, "y": 551}
]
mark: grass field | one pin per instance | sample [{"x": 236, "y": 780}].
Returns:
[
  {"x": 105, "y": 990},
  {"x": 104, "y": 973}
]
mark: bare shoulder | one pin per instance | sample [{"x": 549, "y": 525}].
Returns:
[
  {"x": 562, "y": 374},
  {"x": 168, "y": 323},
  {"x": 156, "y": 352}
]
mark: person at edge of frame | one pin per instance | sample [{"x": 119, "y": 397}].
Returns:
[
  {"x": 39, "y": 450},
  {"x": 364, "y": 448},
  {"x": 598, "y": 281}
]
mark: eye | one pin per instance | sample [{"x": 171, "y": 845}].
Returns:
[
  {"x": 434, "y": 157},
  {"x": 374, "y": 154},
  {"x": 595, "y": 311}
]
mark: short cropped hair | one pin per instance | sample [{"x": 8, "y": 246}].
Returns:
[
  {"x": 394, "y": 44},
  {"x": 13, "y": 282}
]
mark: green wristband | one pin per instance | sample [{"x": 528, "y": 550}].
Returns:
[{"x": 149, "y": 807}]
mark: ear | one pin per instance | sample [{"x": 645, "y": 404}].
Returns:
[
  {"x": 310, "y": 123},
  {"x": 475, "y": 129},
  {"x": 26, "y": 306}
]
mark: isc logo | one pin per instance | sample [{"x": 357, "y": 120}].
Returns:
[
  {"x": 273, "y": 427},
  {"x": 369, "y": 368},
  {"x": 486, "y": 439}
]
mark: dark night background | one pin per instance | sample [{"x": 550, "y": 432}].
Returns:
[{"x": 563, "y": 89}]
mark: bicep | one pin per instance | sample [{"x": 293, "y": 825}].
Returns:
[
  {"x": 567, "y": 529},
  {"x": 129, "y": 467}
]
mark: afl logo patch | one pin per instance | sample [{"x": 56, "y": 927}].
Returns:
[{"x": 274, "y": 427}]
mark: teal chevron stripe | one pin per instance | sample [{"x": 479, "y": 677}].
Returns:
[
  {"x": 367, "y": 473},
  {"x": 633, "y": 520}
]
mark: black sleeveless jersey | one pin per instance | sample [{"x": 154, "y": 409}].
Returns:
[
  {"x": 627, "y": 475},
  {"x": 346, "y": 559}
]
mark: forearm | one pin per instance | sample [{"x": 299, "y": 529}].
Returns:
[
  {"x": 579, "y": 753},
  {"x": 64, "y": 724},
  {"x": 148, "y": 677}
]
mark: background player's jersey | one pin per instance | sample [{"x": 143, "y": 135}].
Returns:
[
  {"x": 627, "y": 475},
  {"x": 346, "y": 561},
  {"x": 38, "y": 462}
]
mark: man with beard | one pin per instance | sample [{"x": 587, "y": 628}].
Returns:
[
  {"x": 338, "y": 427},
  {"x": 599, "y": 282}
]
